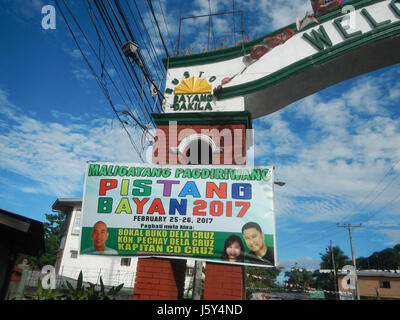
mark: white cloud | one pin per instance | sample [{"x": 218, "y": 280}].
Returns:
[
  {"x": 25, "y": 9},
  {"x": 53, "y": 155},
  {"x": 392, "y": 234},
  {"x": 65, "y": 115},
  {"x": 300, "y": 262},
  {"x": 276, "y": 14},
  {"x": 76, "y": 53},
  {"x": 260, "y": 18},
  {"x": 111, "y": 72},
  {"x": 332, "y": 153},
  {"x": 376, "y": 223},
  {"x": 83, "y": 74}
]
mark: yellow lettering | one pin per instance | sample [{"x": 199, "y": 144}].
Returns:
[{"x": 124, "y": 206}]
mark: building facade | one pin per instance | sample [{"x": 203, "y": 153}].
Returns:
[
  {"x": 374, "y": 284},
  {"x": 69, "y": 263}
]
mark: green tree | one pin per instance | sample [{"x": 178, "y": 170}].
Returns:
[
  {"x": 299, "y": 277},
  {"x": 53, "y": 230},
  {"x": 326, "y": 281},
  {"x": 323, "y": 281},
  {"x": 390, "y": 258},
  {"x": 386, "y": 259},
  {"x": 338, "y": 255},
  {"x": 265, "y": 279}
]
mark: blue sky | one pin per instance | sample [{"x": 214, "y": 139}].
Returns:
[{"x": 337, "y": 150}]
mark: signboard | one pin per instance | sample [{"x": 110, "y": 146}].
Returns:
[
  {"x": 346, "y": 296},
  {"x": 316, "y": 294},
  {"x": 220, "y": 214},
  {"x": 188, "y": 92}
]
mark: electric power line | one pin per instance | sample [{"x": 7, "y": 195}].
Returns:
[
  {"x": 158, "y": 27},
  {"x": 101, "y": 84}
]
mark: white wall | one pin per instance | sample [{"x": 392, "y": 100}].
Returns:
[{"x": 109, "y": 268}]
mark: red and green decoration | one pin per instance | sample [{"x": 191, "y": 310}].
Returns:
[{"x": 322, "y": 7}]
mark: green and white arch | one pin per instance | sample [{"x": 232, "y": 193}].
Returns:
[{"x": 314, "y": 58}]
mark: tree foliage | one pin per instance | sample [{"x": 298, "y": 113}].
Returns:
[
  {"x": 319, "y": 280},
  {"x": 386, "y": 259},
  {"x": 327, "y": 281},
  {"x": 266, "y": 281},
  {"x": 53, "y": 229},
  {"x": 324, "y": 281},
  {"x": 299, "y": 277},
  {"x": 338, "y": 256}
]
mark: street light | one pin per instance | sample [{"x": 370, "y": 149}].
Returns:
[
  {"x": 129, "y": 49},
  {"x": 280, "y": 183}
]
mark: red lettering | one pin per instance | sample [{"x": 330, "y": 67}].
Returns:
[
  {"x": 229, "y": 209},
  {"x": 156, "y": 206},
  {"x": 140, "y": 204},
  {"x": 212, "y": 188},
  {"x": 107, "y": 184},
  {"x": 199, "y": 205},
  {"x": 216, "y": 208},
  {"x": 245, "y": 207}
]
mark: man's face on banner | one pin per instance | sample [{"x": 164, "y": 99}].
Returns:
[
  {"x": 254, "y": 239},
  {"x": 99, "y": 236}
]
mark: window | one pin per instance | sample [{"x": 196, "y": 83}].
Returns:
[
  {"x": 384, "y": 284},
  {"x": 125, "y": 262},
  {"x": 74, "y": 254},
  {"x": 76, "y": 229},
  {"x": 62, "y": 243}
]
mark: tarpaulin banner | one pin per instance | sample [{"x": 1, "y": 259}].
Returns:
[{"x": 220, "y": 214}]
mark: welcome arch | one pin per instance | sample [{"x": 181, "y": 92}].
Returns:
[{"x": 266, "y": 75}]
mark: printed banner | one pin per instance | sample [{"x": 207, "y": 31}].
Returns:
[{"x": 220, "y": 214}]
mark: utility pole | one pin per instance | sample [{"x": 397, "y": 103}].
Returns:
[
  {"x": 334, "y": 271},
  {"x": 197, "y": 283},
  {"x": 349, "y": 227}
]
